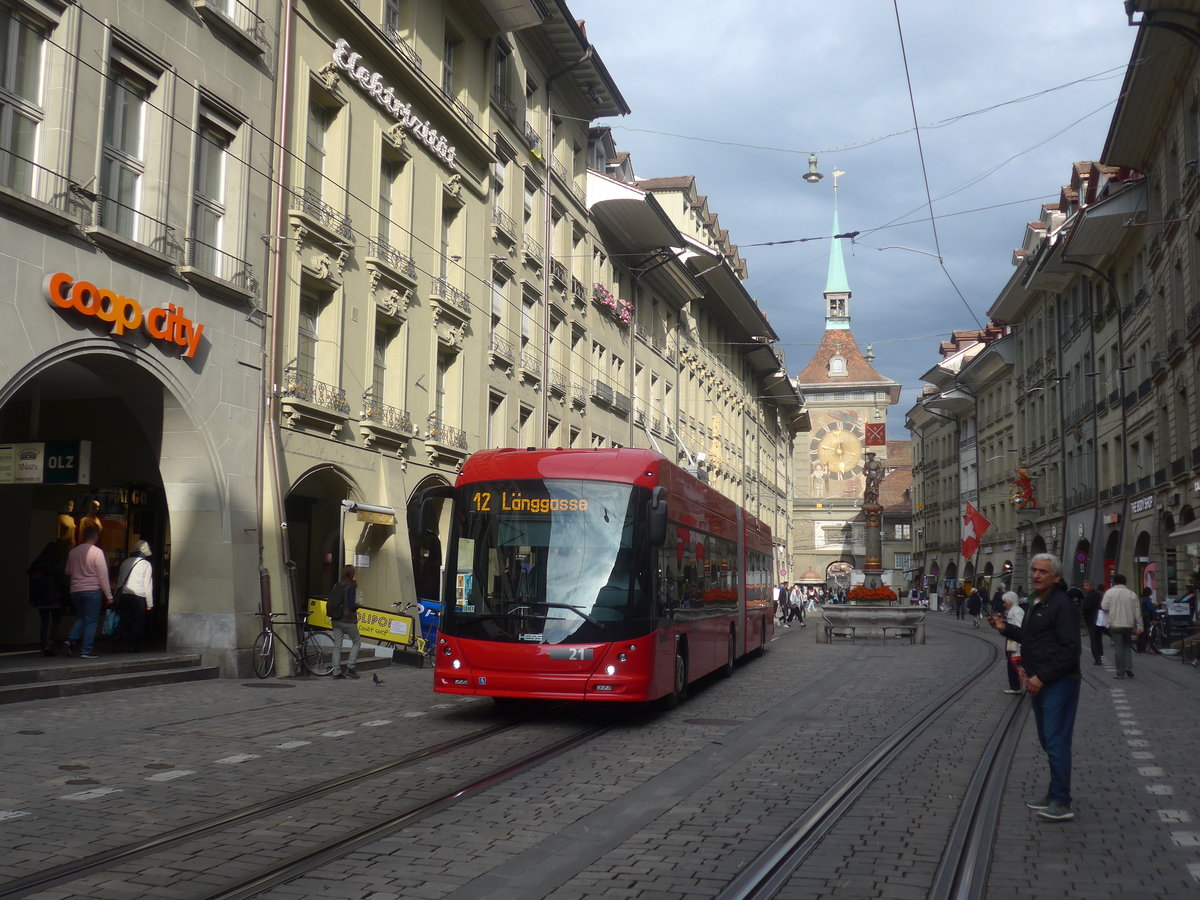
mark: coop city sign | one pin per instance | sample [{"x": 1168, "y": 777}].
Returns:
[{"x": 163, "y": 323}]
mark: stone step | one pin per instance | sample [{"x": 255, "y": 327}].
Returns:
[
  {"x": 95, "y": 682},
  {"x": 43, "y": 669}
]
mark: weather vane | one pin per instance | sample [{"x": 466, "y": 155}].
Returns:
[{"x": 836, "y": 173}]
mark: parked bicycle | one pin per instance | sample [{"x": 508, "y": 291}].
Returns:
[{"x": 312, "y": 655}]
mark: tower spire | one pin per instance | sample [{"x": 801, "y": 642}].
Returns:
[{"x": 837, "y": 285}]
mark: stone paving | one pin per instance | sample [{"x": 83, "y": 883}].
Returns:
[{"x": 671, "y": 805}]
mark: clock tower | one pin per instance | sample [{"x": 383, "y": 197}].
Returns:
[{"x": 847, "y": 401}]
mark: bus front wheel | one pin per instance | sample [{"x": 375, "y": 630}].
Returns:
[{"x": 679, "y": 691}]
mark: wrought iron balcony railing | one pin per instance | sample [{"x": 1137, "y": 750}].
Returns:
[
  {"x": 437, "y": 430},
  {"x": 459, "y": 299},
  {"x": 310, "y": 204},
  {"x": 303, "y": 386},
  {"x": 381, "y": 250},
  {"x": 379, "y": 413}
]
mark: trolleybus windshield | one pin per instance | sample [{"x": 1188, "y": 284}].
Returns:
[{"x": 555, "y": 561}]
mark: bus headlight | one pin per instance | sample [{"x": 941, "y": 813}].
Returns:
[
  {"x": 456, "y": 664},
  {"x": 621, "y": 657},
  {"x": 610, "y": 670}
]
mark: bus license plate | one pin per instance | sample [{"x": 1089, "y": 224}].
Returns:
[{"x": 570, "y": 652}]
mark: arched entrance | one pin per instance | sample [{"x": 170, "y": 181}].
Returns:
[
  {"x": 1038, "y": 545},
  {"x": 153, "y": 475},
  {"x": 313, "y": 508},
  {"x": 1171, "y": 586},
  {"x": 426, "y": 547},
  {"x": 1147, "y": 572},
  {"x": 1112, "y": 547}
]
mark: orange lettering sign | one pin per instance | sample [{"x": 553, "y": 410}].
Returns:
[{"x": 167, "y": 324}]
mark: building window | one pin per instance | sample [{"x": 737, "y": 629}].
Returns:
[
  {"x": 837, "y": 366},
  {"x": 208, "y": 198},
  {"x": 449, "y": 52},
  {"x": 21, "y": 45},
  {"x": 306, "y": 339},
  {"x": 504, "y": 69},
  {"x": 123, "y": 165},
  {"x": 319, "y": 119},
  {"x": 495, "y": 422},
  {"x": 499, "y": 301},
  {"x": 383, "y": 339},
  {"x": 391, "y": 17},
  {"x": 524, "y": 435}
]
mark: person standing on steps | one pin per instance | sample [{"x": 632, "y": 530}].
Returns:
[
  {"x": 1050, "y": 647},
  {"x": 343, "y": 614},
  {"x": 87, "y": 570}
]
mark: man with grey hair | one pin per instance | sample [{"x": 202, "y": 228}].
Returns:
[{"x": 1050, "y": 647}]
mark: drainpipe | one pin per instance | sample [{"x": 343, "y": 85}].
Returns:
[
  {"x": 548, "y": 236},
  {"x": 275, "y": 308}
]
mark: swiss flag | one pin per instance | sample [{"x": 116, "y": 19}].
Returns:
[{"x": 975, "y": 524}]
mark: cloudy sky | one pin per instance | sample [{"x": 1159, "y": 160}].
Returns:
[{"x": 1007, "y": 97}]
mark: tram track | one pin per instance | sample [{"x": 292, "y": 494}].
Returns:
[
  {"x": 962, "y": 871},
  {"x": 182, "y": 836}
]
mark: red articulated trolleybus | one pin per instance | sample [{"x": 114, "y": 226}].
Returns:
[{"x": 608, "y": 575}]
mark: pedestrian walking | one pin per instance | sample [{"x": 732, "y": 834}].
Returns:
[
  {"x": 1013, "y": 615},
  {"x": 1096, "y": 632},
  {"x": 1149, "y": 611},
  {"x": 87, "y": 571},
  {"x": 796, "y": 604},
  {"x": 960, "y": 603},
  {"x": 1124, "y": 613},
  {"x": 342, "y": 608},
  {"x": 975, "y": 606},
  {"x": 1050, "y": 646},
  {"x": 49, "y": 591}
]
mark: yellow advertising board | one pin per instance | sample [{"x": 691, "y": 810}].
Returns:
[{"x": 373, "y": 624}]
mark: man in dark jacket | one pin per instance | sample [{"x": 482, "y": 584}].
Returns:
[{"x": 1050, "y": 647}]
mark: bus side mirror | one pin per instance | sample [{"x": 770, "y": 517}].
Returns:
[
  {"x": 427, "y": 523},
  {"x": 656, "y": 518}
]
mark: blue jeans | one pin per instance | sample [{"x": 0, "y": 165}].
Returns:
[
  {"x": 86, "y": 605},
  {"x": 1054, "y": 711}
]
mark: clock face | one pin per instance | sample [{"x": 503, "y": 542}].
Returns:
[{"x": 839, "y": 450}]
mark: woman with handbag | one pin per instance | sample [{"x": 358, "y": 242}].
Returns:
[{"x": 135, "y": 596}]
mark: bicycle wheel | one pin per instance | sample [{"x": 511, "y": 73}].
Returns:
[
  {"x": 1158, "y": 638},
  {"x": 316, "y": 653},
  {"x": 263, "y": 654}
]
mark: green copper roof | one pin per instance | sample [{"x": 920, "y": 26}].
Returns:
[{"x": 837, "y": 282}]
